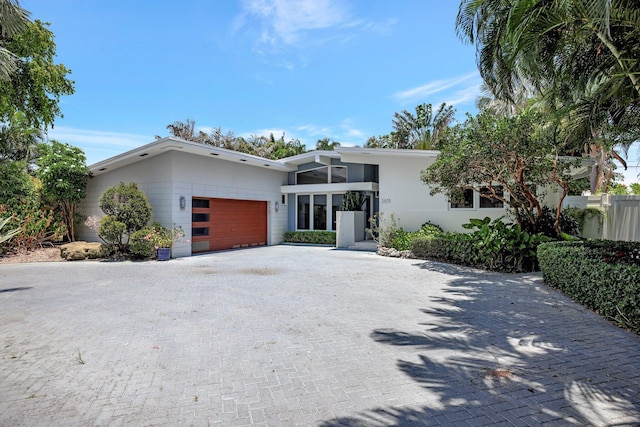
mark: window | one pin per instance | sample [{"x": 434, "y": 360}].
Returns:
[
  {"x": 491, "y": 202},
  {"x": 320, "y": 212},
  {"x": 464, "y": 202},
  {"x": 336, "y": 204},
  {"x": 338, "y": 174},
  {"x": 199, "y": 217},
  {"x": 200, "y": 203},
  {"x": 323, "y": 175},
  {"x": 199, "y": 231},
  {"x": 303, "y": 212},
  {"x": 313, "y": 176},
  {"x": 317, "y": 211}
]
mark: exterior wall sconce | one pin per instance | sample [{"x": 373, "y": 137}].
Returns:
[
  {"x": 277, "y": 206},
  {"x": 183, "y": 202}
]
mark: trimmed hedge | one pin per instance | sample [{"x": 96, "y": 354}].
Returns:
[
  {"x": 602, "y": 275},
  {"x": 493, "y": 245},
  {"x": 311, "y": 237}
]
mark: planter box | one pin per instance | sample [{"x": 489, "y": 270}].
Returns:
[
  {"x": 163, "y": 254},
  {"x": 349, "y": 228}
]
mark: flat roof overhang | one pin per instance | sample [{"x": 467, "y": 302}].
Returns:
[{"x": 342, "y": 187}]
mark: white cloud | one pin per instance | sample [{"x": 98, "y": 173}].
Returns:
[
  {"x": 464, "y": 96},
  {"x": 471, "y": 85},
  {"x": 315, "y": 130},
  {"x": 98, "y": 145},
  {"x": 285, "y": 20}
]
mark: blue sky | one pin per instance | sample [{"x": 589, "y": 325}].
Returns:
[{"x": 309, "y": 68}]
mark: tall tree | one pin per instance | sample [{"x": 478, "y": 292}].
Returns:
[
  {"x": 327, "y": 144},
  {"x": 36, "y": 85},
  {"x": 256, "y": 145},
  {"x": 64, "y": 175},
  {"x": 581, "y": 56},
  {"x": 508, "y": 159},
  {"x": 423, "y": 130},
  {"x": 541, "y": 42}
]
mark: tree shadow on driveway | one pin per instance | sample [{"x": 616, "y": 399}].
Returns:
[
  {"x": 506, "y": 349},
  {"x": 21, "y": 288}
]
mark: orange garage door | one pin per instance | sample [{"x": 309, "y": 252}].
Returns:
[{"x": 227, "y": 223}]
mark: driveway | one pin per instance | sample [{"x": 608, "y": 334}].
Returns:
[{"x": 304, "y": 336}]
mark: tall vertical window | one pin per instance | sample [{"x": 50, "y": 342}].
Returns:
[
  {"x": 319, "y": 212},
  {"x": 304, "y": 212},
  {"x": 336, "y": 204}
]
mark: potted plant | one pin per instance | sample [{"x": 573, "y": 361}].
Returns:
[{"x": 163, "y": 239}]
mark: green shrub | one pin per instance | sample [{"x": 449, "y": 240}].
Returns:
[
  {"x": 127, "y": 211},
  {"x": 504, "y": 247},
  {"x": 112, "y": 231},
  {"x": 140, "y": 245},
  {"x": 495, "y": 246},
  {"x": 312, "y": 237},
  {"x": 602, "y": 275},
  {"x": 21, "y": 202},
  {"x": 403, "y": 240},
  {"x": 127, "y": 204},
  {"x": 383, "y": 230},
  {"x": 352, "y": 201},
  {"x": 7, "y": 235},
  {"x": 545, "y": 223},
  {"x": 454, "y": 248}
]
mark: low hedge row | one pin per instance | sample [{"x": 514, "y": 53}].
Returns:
[
  {"x": 311, "y": 237},
  {"x": 496, "y": 247},
  {"x": 602, "y": 275},
  {"x": 462, "y": 249}
]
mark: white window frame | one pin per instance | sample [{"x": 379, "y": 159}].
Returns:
[
  {"x": 476, "y": 202},
  {"x": 329, "y": 204}
]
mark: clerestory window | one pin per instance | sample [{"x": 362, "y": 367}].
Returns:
[{"x": 322, "y": 175}]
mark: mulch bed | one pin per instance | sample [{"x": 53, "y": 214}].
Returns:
[{"x": 38, "y": 255}]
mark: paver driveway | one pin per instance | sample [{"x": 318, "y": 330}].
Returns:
[{"x": 304, "y": 336}]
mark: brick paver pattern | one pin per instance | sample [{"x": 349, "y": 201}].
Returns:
[{"x": 304, "y": 336}]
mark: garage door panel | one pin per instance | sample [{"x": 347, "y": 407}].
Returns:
[{"x": 232, "y": 224}]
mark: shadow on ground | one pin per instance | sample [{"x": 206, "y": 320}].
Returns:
[
  {"x": 506, "y": 349},
  {"x": 21, "y": 288}
]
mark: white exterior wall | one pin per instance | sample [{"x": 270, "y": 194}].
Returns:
[
  {"x": 167, "y": 177},
  {"x": 196, "y": 176},
  {"x": 153, "y": 177},
  {"x": 403, "y": 194}
]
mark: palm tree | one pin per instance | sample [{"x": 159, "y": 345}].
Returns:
[
  {"x": 581, "y": 56},
  {"x": 545, "y": 42},
  {"x": 423, "y": 130},
  {"x": 13, "y": 19}
]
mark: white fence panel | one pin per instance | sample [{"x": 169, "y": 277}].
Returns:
[{"x": 621, "y": 216}]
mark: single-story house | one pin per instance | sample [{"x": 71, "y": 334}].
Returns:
[{"x": 225, "y": 199}]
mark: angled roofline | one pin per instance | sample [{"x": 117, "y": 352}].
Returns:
[
  {"x": 287, "y": 164},
  {"x": 317, "y": 156},
  {"x": 167, "y": 144}
]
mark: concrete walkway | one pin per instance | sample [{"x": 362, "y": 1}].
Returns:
[{"x": 304, "y": 336}]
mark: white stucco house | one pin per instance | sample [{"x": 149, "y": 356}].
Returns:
[{"x": 224, "y": 199}]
